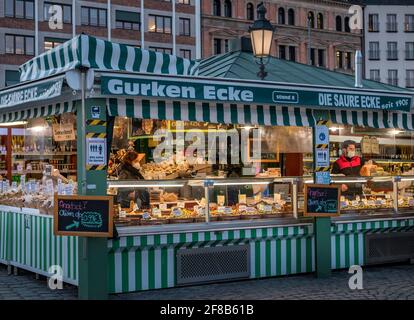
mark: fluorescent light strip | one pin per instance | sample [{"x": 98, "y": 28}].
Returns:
[
  {"x": 145, "y": 185},
  {"x": 348, "y": 181},
  {"x": 238, "y": 183},
  {"x": 407, "y": 179},
  {"x": 15, "y": 123}
]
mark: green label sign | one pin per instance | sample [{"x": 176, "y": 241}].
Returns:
[
  {"x": 41, "y": 91},
  {"x": 233, "y": 92}
]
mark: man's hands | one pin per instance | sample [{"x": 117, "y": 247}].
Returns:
[{"x": 344, "y": 187}]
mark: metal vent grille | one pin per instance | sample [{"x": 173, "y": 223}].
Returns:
[
  {"x": 389, "y": 247},
  {"x": 198, "y": 265}
]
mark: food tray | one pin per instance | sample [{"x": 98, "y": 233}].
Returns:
[
  {"x": 272, "y": 215},
  {"x": 144, "y": 222},
  {"x": 251, "y": 216},
  {"x": 229, "y": 217},
  {"x": 181, "y": 220}
]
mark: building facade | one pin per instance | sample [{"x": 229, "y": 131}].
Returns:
[
  {"x": 26, "y": 30},
  {"x": 389, "y": 42},
  {"x": 332, "y": 42}
]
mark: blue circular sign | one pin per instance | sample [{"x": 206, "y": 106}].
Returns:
[{"x": 322, "y": 136}]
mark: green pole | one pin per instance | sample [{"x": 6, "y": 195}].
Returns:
[
  {"x": 322, "y": 227},
  {"x": 93, "y": 255}
]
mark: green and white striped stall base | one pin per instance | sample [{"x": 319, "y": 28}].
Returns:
[
  {"x": 32, "y": 245},
  {"x": 149, "y": 261},
  {"x": 348, "y": 239},
  {"x": 4, "y": 237}
]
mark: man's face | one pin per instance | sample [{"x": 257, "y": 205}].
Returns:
[{"x": 351, "y": 148}]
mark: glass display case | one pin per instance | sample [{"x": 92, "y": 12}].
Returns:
[
  {"x": 187, "y": 201},
  {"x": 158, "y": 202}
]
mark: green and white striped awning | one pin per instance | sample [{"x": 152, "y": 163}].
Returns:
[
  {"x": 254, "y": 114},
  {"x": 90, "y": 52},
  {"x": 37, "y": 112}
]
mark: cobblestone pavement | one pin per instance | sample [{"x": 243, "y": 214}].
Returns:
[
  {"x": 386, "y": 282},
  {"x": 24, "y": 286}
]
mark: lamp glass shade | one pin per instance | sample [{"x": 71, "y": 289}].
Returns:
[{"x": 261, "y": 42}]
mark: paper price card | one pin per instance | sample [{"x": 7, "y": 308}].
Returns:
[
  {"x": 242, "y": 198},
  {"x": 163, "y": 206}
]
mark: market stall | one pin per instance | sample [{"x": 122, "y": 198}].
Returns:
[{"x": 180, "y": 213}]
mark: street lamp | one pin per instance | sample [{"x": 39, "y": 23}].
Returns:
[{"x": 261, "y": 35}]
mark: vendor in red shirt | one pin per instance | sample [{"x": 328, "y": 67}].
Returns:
[{"x": 349, "y": 164}]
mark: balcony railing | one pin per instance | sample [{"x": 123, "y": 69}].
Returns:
[
  {"x": 373, "y": 27},
  {"x": 392, "y": 54},
  {"x": 392, "y": 27},
  {"x": 409, "y": 55},
  {"x": 409, "y": 27},
  {"x": 374, "y": 54},
  {"x": 392, "y": 81}
]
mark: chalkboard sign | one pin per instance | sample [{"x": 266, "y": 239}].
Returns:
[
  {"x": 322, "y": 200},
  {"x": 85, "y": 216}
]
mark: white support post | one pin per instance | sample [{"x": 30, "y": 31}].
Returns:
[
  {"x": 173, "y": 27},
  {"x": 142, "y": 25},
  {"x": 73, "y": 18},
  {"x": 109, "y": 17},
  {"x": 36, "y": 16},
  {"x": 198, "y": 28}
]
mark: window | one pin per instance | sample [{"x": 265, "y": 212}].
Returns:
[
  {"x": 282, "y": 52},
  {"x": 16, "y": 44},
  {"x": 23, "y": 9},
  {"x": 281, "y": 16},
  {"x": 320, "y": 21},
  {"x": 12, "y": 77},
  {"x": 292, "y": 53},
  {"x": 392, "y": 23},
  {"x": 374, "y": 75},
  {"x": 321, "y": 57},
  {"x": 373, "y": 23},
  {"x": 217, "y": 46},
  {"x": 226, "y": 45},
  {"x": 410, "y": 79},
  {"x": 227, "y": 8},
  {"x": 374, "y": 53},
  {"x": 159, "y": 24},
  {"x": 392, "y": 52},
  {"x": 50, "y": 43},
  {"x": 184, "y": 2},
  {"x": 217, "y": 8},
  {"x": 338, "y": 23},
  {"x": 393, "y": 77},
  {"x": 127, "y": 20},
  {"x": 311, "y": 19},
  {"x": 185, "y": 53},
  {"x": 66, "y": 11},
  {"x": 291, "y": 17},
  {"x": 220, "y": 45},
  {"x": 93, "y": 17},
  {"x": 339, "y": 60},
  {"x": 312, "y": 57},
  {"x": 409, "y": 51},
  {"x": 249, "y": 11},
  {"x": 346, "y": 25},
  {"x": 185, "y": 27},
  {"x": 348, "y": 60},
  {"x": 409, "y": 23},
  {"x": 162, "y": 50}
]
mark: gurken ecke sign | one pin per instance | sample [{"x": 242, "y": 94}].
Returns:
[
  {"x": 41, "y": 91},
  {"x": 87, "y": 216},
  {"x": 233, "y": 92}
]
